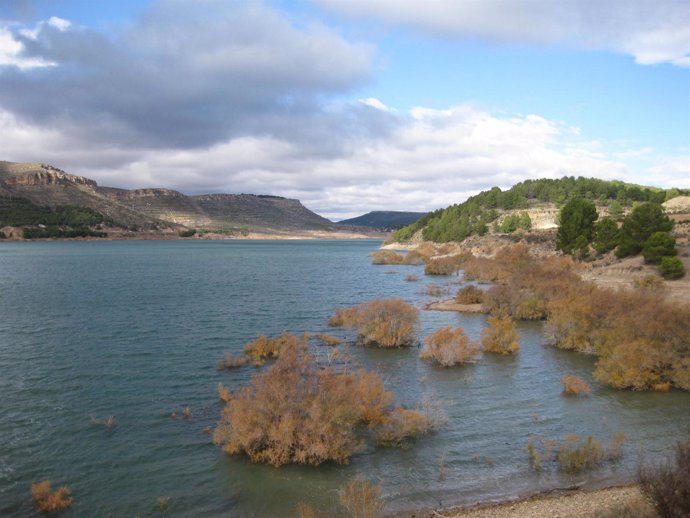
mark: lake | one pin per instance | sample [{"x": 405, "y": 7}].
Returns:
[{"x": 134, "y": 329}]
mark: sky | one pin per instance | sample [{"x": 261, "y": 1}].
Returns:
[{"x": 348, "y": 105}]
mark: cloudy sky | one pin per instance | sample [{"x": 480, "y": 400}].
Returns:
[{"x": 348, "y": 105}]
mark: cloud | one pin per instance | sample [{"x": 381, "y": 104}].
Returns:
[
  {"x": 183, "y": 75},
  {"x": 426, "y": 159},
  {"x": 652, "y": 31}
]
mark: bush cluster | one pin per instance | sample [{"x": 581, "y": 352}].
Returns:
[
  {"x": 299, "y": 412},
  {"x": 381, "y": 322},
  {"x": 469, "y": 294},
  {"x": 450, "y": 346},
  {"x": 667, "y": 485},
  {"x": 49, "y": 501}
]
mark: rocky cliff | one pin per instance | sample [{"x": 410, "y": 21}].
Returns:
[{"x": 46, "y": 185}]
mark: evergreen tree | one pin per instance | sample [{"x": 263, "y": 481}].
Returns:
[
  {"x": 577, "y": 219},
  {"x": 644, "y": 220},
  {"x": 658, "y": 245},
  {"x": 605, "y": 235}
]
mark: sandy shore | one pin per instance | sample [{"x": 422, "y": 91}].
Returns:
[
  {"x": 451, "y": 305},
  {"x": 613, "y": 502}
]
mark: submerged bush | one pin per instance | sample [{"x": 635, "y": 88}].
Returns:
[
  {"x": 51, "y": 501},
  {"x": 362, "y": 499},
  {"x": 575, "y": 386},
  {"x": 667, "y": 485},
  {"x": 264, "y": 348},
  {"x": 299, "y": 412},
  {"x": 449, "y": 346},
  {"x": 501, "y": 336},
  {"x": 381, "y": 322},
  {"x": 386, "y": 257},
  {"x": 573, "y": 455},
  {"x": 231, "y": 361}
]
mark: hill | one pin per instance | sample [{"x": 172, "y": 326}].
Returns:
[
  {"x": 389, "y": 220},
  {"x": 32, "y": 192},
  {"x": 489, "y": 210}
]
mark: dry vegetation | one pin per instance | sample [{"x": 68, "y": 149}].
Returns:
[
  {"x": 470, "y": 294},
  {"x": 572, "y": 454},
  {"x": 51, "y": 501},
  {"x": 667, "y": 485},
  {"x": 362, "y": 499},
  {"x": 575, "y": 386},
  {"x": 386, "y": 257},
  {"x": 381, "y": 322},
  {"x": 501, "y": 336},
  {"x": 641, "y": 339},
  {"x": 263, "y": 348},
  {"x": 231, "y": 361},
  {"x": 299, "y": 412},
  {"x": 450, "y": 346},
  {"x": 328, "y": 340}
]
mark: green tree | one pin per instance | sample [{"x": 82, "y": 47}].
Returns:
[
  {"x": 672, "y": 268},
  {"x": 605, "y": 235},
  {"x": 644, "y": 220},
  {"x": 577, "y": 219},
  {"x": 616, "y": 210},
  {"x": 658, "y": 245}
]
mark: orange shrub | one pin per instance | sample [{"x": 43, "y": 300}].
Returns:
[
  {"x": 442, "y": 266},
  {"x": 264, "y": 348},
  {"x": 402, "y": 426},
  {"x": 297, "y": 412},
  {"x": 230, "y": 361},
  {"x": 51, "y": 501},
  {"x": 223, "y": 393},
  {"x": 449, "y": 346},
  {"x": 414, "y": 257},
  {"x": 575, "y": 386},
  {"x": 386, "y": 257},
  {"x": 329, "y": 340},
  {"x": 362, "y": 499},
  {"x": 501, "y": 336},
  {"x": 469, "y": 294},
  {"x": 381, "y": 322}
]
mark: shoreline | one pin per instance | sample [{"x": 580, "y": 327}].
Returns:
[{"x": 617, "y": 501}]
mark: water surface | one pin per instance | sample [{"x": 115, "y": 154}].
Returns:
[{"x": 134, "y": 329}]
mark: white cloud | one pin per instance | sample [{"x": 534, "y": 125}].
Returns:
[
  {"x": 11, "y": 52},
  {"x": 433, "y": 158},
  {"x": 652, "y": 31}
]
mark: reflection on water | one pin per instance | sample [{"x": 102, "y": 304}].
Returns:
[{"x": 134, "y": 330}]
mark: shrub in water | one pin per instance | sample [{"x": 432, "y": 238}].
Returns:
[
  {"x": 449, "y": 346},
  {"x": 264, "y": 348},
  {"x": 381, "y": 322},
  {"x": 362, "y": 499},
  {"x": 501, "y": 336},
  {"x": 575, "y": 386},
  {"x": 51, "y": 501},
  {"x": 298, "y": 412}
]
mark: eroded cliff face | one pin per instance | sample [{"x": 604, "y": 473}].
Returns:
[{"x": 39, "y": 175}]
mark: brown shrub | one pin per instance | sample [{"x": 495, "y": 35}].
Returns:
[
  {"x": 329, "y": 340},
  {"x": 362, "y": 499},
  {"x": 574, "y": 456},
  {"x": 224, "y": 393},
  {"x": 230, "y": 361},
  {"x": 264, "y": 348},
  {"x": 402, "y": 426},
  {"x": 435, "y": 290},
  {"x": 412, "y": 278},
  {"x": 414, "y": 257},
  {"x": 450, "y": 346},
  {"x": 381, "y": 322},
  {"x": 386, "y": 257},
  {"x": 469, "y": 294},
  {"x": 306, "y": 511},
  {"x": 442, "y": 265},
  {"x": 501, "y": 336},
  {"x": 297, "y": 412},
  {"x": 109, "y": 423},
  {"x": 51, "y": 501},
  {"x": 667, "y": 486},
  {"x": 575, "y": 386}
]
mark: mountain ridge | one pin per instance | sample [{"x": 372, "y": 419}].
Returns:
[{"x": 156, "y": 207}]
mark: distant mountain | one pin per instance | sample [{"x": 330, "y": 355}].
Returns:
[
  {"x": 384, "y": 219},
  {"x": 42, "y": 185}
]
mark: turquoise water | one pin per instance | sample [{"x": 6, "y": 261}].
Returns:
[{"x": 134, "y": 330}]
